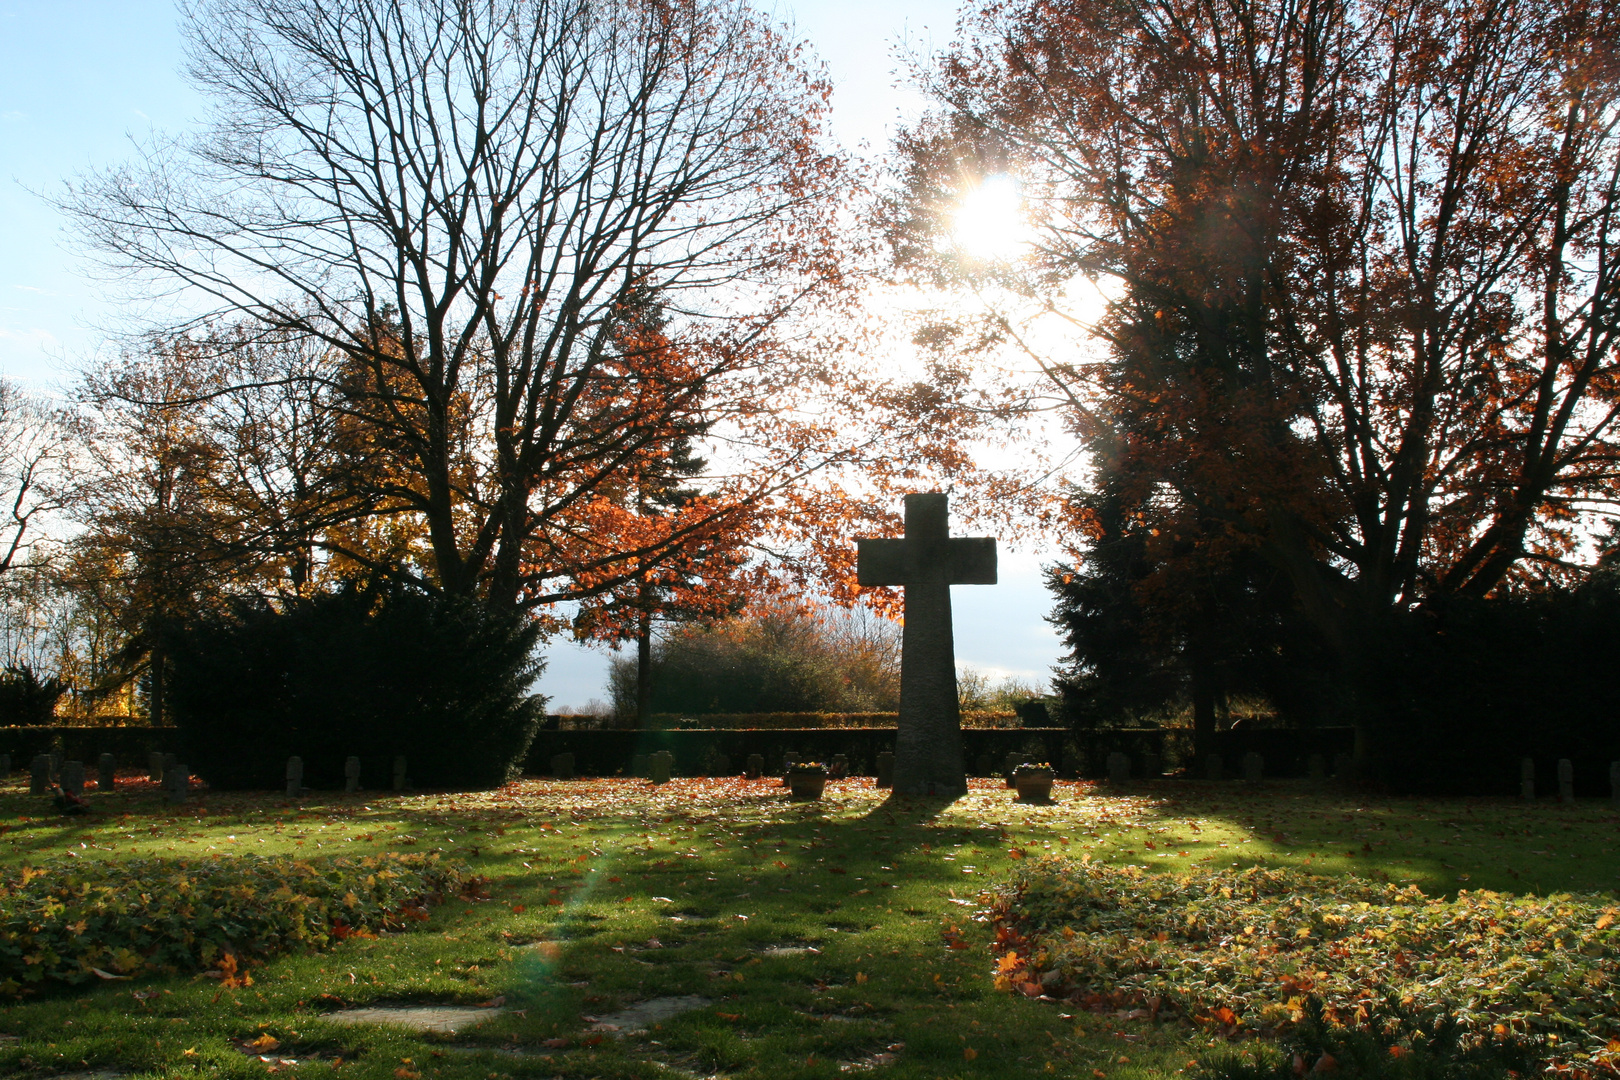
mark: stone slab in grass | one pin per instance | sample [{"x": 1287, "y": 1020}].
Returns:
[
  {"x": 644, "y": 1014},
  {"x": 434, "y": 1019},
  {"x": 782, "y": 952}
]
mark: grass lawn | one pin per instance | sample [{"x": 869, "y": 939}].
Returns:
[{"x": 604, "y": 893}]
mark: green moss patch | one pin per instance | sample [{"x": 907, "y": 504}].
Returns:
[
  {"x": 73, "y": 920},
  {"x": 1249, "y": 948}
]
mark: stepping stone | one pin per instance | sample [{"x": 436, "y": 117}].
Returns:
[
  {"x": 781, "y": 952},
  {"x": 437, "y": 1019},
  {"x": 644, "y": 1014}
]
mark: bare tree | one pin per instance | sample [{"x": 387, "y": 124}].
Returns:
[
  {"x": 36, "y": 458},
  {"x": 452, "y": 201}
]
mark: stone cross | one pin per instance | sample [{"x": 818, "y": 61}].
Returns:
[{"x": 927, "y": 562}]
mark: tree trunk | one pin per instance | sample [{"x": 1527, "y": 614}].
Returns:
[{"x": 643, "y": 661}]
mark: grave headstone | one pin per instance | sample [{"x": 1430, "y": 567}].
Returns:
[
  {"x": 562, "y": 766},
  {"x": 154, "y": 767},
  {"x": 1151, "y": 766},
  {"x": 661, "y": 766},
  {"x": 927, "y": 562},
  {"x": 177, "y": 781},
  {"x": 718, "y": 764},
  {"x": 295, "y": 776},
  {"x": 1214, "y": 767},
  {"x": 351, "y": 774},
  {"x": 1008, "y": 764},
  {"x": 1254, "y": 767},
  {"x": 106, "y": 772},
  {"x": 1527, "y": 778},
  {"x": 1566, "y": 781},
  {"x": 1316, "y": 767},
  {"x": 39, "y": 774},
  {"x": 840, "y": 767},
  {"x": 1344, "y": 766},
  {"x": 641, "y": 766},
  {"x": 1614, "y": 782},
  {"x": 56, "y": 763},
  {"x": 73, "y": 778},
  {"x": 1119, "y": 767},
  {"x": 1074, "y": 761},
  {"x": 756, "y": 766},
  {"x": 885, "y": 770},
  {"x": 401, "y": 781}
]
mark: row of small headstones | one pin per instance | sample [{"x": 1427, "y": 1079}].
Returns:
[
  {"x": 1566, "y": 780},
  {"x": 351, "y": 774}
]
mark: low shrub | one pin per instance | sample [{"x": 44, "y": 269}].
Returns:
[
  {"x": 1248, "y": 949},
  {"x": 1398, "y": 1046},
  {"x": 73, "y": 921},
  {"x": 370, "y": 672},
  {"x": 26, "y": 699}
]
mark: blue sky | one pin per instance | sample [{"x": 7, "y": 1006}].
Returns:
[{"x": 78, "y": 78}]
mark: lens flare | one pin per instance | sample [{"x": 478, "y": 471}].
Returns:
[{"x": 989, "y": 223}]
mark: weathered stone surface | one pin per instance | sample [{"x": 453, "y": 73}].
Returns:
[
  {"x": 927, "y": 562},
  {"x": 885, "y": 770},
  {"x": 562, "y": 766},
  {"x": 438, "y": 1019},
  {"x": 295, "y": 776},
  {"x": 644, "y": 1014},
  {"x": 1254, "y": 767},
  {"x": 1527, "y": 778},
  {"x": 73, "y": 778},
  {"x": 1119, "y": 768},
  {"x": 351, "y": 774},
  {"x": 106, "y": 772}
]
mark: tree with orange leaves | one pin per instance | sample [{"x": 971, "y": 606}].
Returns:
[
  {"x": 1375, "y": 247},
  {"x": 452, "y": 206}
]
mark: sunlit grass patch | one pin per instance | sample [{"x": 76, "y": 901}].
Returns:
[{"x": 822, "y": 934}]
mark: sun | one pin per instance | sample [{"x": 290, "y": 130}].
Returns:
[{"x": 989, "y": 222}]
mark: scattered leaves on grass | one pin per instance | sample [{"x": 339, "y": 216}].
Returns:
[{"x": 1247, "y": 948}]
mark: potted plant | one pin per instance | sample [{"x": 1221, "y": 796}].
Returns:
[
  {"x": 807, "y": 779},
  {"x": 1033, "y": 779}
]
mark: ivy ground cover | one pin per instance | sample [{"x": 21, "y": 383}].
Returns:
[{"x": 826, "y": 939}]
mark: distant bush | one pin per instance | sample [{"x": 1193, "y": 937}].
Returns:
[
  {"x": 61, "y": 921},
  {"x": 26, "y": 699},
  {"x": 366, "y": 672},
  {"x": 785, "y": 661}
]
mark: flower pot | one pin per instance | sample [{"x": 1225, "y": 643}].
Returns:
[
  {"x": 807, "y": 786},
  {"x": 1034, "y": 787}
]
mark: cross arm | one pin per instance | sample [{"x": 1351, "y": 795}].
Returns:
[{"x": 964, "y": 560}]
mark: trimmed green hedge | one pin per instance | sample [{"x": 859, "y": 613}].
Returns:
[
  {"x": 1248, "y": 949},
  {"x": 783, "y": 721},
  {"x": 63, "y": 920}
]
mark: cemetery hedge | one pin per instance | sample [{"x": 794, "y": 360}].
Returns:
[
  {"x": 62, "y": 921},
  {"x": 373, "y": 671}
]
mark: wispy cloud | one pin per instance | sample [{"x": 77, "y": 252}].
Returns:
[
  {"x": 142, "y": 115},
  {"x": 12, "y": 116},
  {"x": 33, "y": 289}
]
